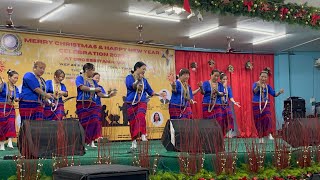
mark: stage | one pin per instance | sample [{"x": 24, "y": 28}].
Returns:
[{"x": 157, "y": 154}]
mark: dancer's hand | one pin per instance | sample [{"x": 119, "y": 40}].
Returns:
[
  {"x": 237, "y": 104},
  {"x": 200, "y": 84},
  {"x": 192, "y": 101},
  {"x": 112, "y": 93},
  {"x": 61, "y": 93},
  {"x": 97, "y": 89},
  {"x": 171, "y": 77},
  {"x": 281, "y": 91},
  {"x": 48, "y": 96},
  {"x": 225, "y": 84},
  {"x": 258, "y": 83},
  {"x": 1, "y": 80}
]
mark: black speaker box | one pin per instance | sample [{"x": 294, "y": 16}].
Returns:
[
  {"x": 315, "y": 177},
  {"x": 51, "y": 138},
  {"x": 193, "y": 135},
  {"x": 99, "y": 172},
  {"x": 302, "y": 132}
]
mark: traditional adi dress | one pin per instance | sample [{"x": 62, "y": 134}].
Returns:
[
  {"x": 31, "y": 105},
  {"x": 136, "y": 100},
  {"x": 57, "y": 112},
  {"x": 87, "y": 109},
  {"x": 7, "y": 112},
  {"x": 179, "y": 107},
  {"x": 214, "y": 108},
  {"x": 261, "y": 110},
  {"x": 98, "y": 102}
]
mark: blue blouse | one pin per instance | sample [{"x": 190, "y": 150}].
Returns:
[
  {"x": 4, "y": 93},
  {"x": 177, "y": 97},
  {"x": 207, "y": 92},
  {"x": 256, "y": 96},
  {"x": 51, "y": 90},
  {"x": 131, "y": 92},
  {"x": 84, "y": 95}
]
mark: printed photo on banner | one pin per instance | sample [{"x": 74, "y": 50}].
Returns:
[
  {"x": 157, "y": 119},
  {"x": 164, "y": 96}
]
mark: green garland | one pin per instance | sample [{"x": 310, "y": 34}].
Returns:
[
  {"x": 243, "y": 174},
  {"x": 275, "y": 10}
]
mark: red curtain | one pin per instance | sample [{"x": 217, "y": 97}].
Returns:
[{"x": 241, "y": 81}]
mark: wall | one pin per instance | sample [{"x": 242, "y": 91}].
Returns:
[{"x": 295, "y": 73}]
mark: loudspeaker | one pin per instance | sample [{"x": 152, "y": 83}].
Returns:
[
  {"x": 315, "y": 177},
  {"x": 302, "y": 132},
  {"x": 294, "y": 107},
  {"x": 203, "y": 135},
  {"x": 51, "y": 138},
  {"x": 97, "y": 172}
]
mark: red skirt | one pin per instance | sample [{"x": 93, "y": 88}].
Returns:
[
  {"x": 180, "y": 112},
  {"x": 89, "y": 117},
  {"x": 58, "y": 114},
  {"x": 7, "y": 122},
  {"x": 31, "y": 110},
  {"x": 221, "y": 113},
  {"x": 263, "y": 121},
  {"x": 137, "y": 119}
]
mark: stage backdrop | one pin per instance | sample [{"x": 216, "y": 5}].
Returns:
[
  {"x": 241, "y": 81},
  {"x": 112, "y": 60}
]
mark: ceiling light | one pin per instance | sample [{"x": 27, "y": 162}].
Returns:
[
  {"x": 53, "y": 12},
  {"x": 269, "y": 39},
  {"x": 42, "y": 1},
  {"x": 154, "y": 17},
  {"x": 255, "y": 31},
  {"x": 203, "y": 32}
]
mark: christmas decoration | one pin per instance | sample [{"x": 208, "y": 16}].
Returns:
[
  {"x": 230, "y": 68},
  {"x": 194, "y": 66},
  {"x": 275, "y": 10},
  {"x": 249, "y": 65},
  {"x": 211, "y": 63}
]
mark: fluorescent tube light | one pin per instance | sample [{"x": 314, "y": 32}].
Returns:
[
  {"x": 203, "y": 32},
  {"x": 255, "y": 31},
  {"x": 53, "y": 12},
  {"x": 42, "y": 1},
  {"x": 154, "y": 17},
  {"x": 269, "y": 39}
]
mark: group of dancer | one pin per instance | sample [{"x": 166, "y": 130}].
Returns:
[{"x": 42, "y": 100}]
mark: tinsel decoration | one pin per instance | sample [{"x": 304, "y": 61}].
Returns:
[
  {"x": 230, "y": 68},
  {"x": 194, "y": 66},
  {"x": 275, "y": 10},
  {"x": 249, "y": 65},
  {"x": 211, "y": 63}
]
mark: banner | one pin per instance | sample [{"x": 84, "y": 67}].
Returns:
[{"x": 112, "y": 60}]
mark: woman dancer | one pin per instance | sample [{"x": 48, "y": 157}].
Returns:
[
  {"x": 212, "y": 106},
  {"x": 57, "y": 89},
  {"x": 96, "y": 77},
  {"x": 9, "y": 93},
  {"x": 33, "y": 94},
  {"x": 227, "y": 113},
  {"x": 137, "y": 90},
  {"x": 182, "y": 96},
  {"x": 261, "y": 106},
  {"x": 87, "y": 109}
]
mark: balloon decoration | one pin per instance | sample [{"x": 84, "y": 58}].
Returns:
[
  {"x": 211, "y": 63},
  {"x": 249, "y": 65},
  {"x": 230, "y": 68},
  {"x": 194, "y": 66}
]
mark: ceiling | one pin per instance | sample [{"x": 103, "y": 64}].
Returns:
[{"x": 109, "y": 19}]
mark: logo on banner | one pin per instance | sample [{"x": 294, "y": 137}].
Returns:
[{"x": 10, "y": 45}]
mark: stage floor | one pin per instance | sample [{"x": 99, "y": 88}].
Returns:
[{"x": 119, "y": 154}]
